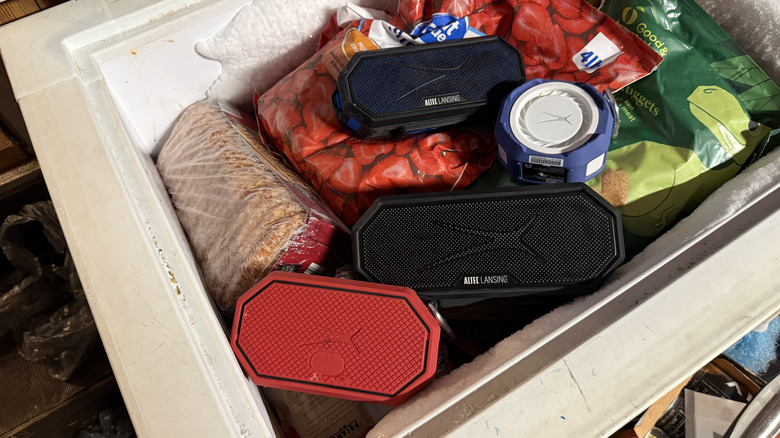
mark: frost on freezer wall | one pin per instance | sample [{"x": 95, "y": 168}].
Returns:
[
  {"x": 754, "y": 25},
  {"x": 265, "y": 41}
]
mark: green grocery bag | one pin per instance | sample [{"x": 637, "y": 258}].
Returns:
[{"x": 704, "y": 114}]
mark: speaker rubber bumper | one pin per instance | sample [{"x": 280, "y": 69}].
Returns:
[{"x": 335, "y": 337}]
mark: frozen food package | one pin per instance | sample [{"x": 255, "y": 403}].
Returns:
[
  {"x": 303, "y": 415},
  {"x": 558, "y": 39},
  {"x": 704, "y": 115},
  {"x": 563, "y": 39},
  {"x": 244, "y": 212},
  {"x": 349, "y": 173}
]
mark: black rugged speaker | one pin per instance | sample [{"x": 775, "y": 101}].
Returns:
[
  {"x": 409, "y": 89},
  {"x": 552, "y": 239}
]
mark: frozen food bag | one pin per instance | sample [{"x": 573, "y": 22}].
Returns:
[
  {"x": 554, "y": 37},
  {"x": 297, "y": 117},
  {"x": 244, "y": 212},
  {"x": 705, "y": 113}
]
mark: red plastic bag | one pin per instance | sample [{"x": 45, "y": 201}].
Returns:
[
  {"x": 550, "y": 34},
  {"x": 573, "y": 24},
  {"x": 297, "y": 116}
]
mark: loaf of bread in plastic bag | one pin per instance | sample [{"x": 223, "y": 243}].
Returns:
[{"x": 244, "y": 212}]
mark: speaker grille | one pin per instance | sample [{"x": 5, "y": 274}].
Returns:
[
  {"x": 401, "y": 81},
  {"x": 534, "y": 238}
]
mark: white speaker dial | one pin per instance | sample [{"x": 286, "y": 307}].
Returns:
[{"x": 554, "y": 117}]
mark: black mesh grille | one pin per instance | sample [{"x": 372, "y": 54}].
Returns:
[
  {"x": 388, "y": 84},
  {"x": 518, "y": 240}
]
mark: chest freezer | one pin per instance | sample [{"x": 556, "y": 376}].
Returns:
[{"x": 100, "y": 83}]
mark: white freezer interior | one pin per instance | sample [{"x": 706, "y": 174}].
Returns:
[{"x": 106, "y": 82}]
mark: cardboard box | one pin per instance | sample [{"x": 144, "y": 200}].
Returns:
[{"x": 672, "y": 407}]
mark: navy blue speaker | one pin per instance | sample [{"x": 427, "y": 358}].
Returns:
[{"x": 403, "y": 90}]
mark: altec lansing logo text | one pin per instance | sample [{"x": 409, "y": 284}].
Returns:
[
  {"x": 442, "y": 100},
  {"x": 486, "y": 279}
]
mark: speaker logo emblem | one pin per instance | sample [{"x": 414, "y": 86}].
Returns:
[
  {"x": 556, "y": 118},
  {"x": 441, "y": 100},
  {"x": 438, "y": 76},
  {"x": 491, "y": 241},
  {"x": 333, "y": 336},
  {"x": 485, "y": 279},
  {"x": 327, "y": 363}
]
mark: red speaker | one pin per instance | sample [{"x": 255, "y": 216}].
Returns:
[{"x": 341, "y": 338}]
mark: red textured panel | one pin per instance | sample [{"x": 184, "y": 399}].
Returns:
[{"x": 356, "y": 340}]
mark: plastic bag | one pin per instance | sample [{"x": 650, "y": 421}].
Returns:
[
  {"x": 33, "y": 246},
  {"x": 32, "y": 239},
  {"x": 112, "y": 423},
  {"x": 705, "y": 114},
  {"x": 62, "y": 340},
  {"x": 350, "y": 173},
  {"x": 296, "y": 115},
  {"x": 550, "y": 35},
  {"x": 29, "y": 297},
  {"x": 46, "y": 310},
  {"x": 244, "y": 212}
]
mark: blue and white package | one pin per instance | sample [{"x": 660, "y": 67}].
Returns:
[
  {"x": 443, "y": 27},
  {"x": 552, "y": 131}
]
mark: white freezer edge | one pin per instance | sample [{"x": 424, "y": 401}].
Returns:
[
  {"x": 683, "y": 322},
  {"x": 177, "y": 375}
]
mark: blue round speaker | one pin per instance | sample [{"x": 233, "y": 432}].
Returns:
[{"x": 552, "y": 131}]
